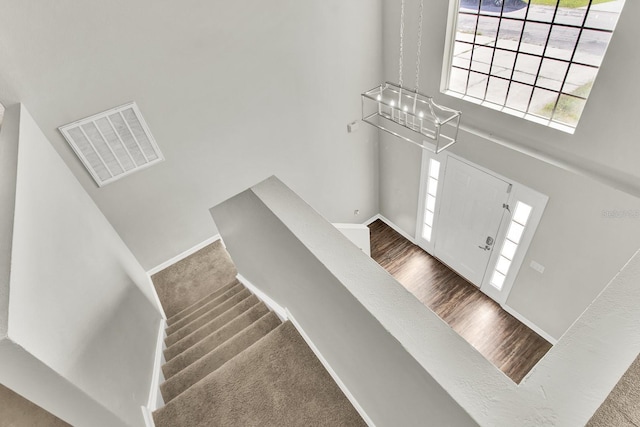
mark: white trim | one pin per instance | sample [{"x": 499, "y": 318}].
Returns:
[
  {"x": 429, "y": 246},
  {"x": 156, "y": 298},
  {"x": 390, "y": 224},
  {"x": 358, "y": 234},
  {"x": 148, "y": 417},
  {"x": 372, "y": 219},
  {"x": 277, "y": 308},
  {"x": 538, "y": 203},
  {"x": 506, "y": 308},
  {"x": 452, "y": 24},
  {"x": 329, "y": 369},
  {"x": 155, "y": 398},
  {"x": 349, "y": 225},
  {"x": 183, "y": 255},
  {"x": 535, "y": 328}
]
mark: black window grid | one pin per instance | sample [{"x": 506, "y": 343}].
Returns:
[{"x": 552, "y": 24}]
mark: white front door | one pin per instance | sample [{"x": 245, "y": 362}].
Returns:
[{"x": 470, "y": 214}]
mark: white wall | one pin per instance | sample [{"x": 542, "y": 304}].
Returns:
[
  {"x": 580, "y": 248},
  {"x": 80, "y": 304},
  {"x": 232, "y": 91},
  {"x": 37, "y": 382},
  {"x": 8, "y": 173},
  {"x": 388, "y": 383},
  {"x": 349, "y": 305}
]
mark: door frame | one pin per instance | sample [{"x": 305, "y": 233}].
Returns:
[{"x": 519, "y": 192}]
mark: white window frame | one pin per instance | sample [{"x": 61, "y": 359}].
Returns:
[
  {"x": 454, "y": 6},
  {"x": 538, "y": 203},
  {"x": 428, "y": 245}
]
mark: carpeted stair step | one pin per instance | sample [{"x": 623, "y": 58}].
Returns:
[
  {"x": 219, "y": 356},
  {"x": 196, "y": 305},
  {"x": 205, "y": 331},
  {"x": 277, "y": 381},
  {"x": 205, "y": 308},
  {"x": 204, "y": 346},
  {"x": 219, "y": 321},
  {"x": 177, "y": 335}
]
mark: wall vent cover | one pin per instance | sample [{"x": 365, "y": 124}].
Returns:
[{"x": 113, "y": 144}]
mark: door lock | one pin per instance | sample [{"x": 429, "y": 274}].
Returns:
[{"x": 489, "y": 240}]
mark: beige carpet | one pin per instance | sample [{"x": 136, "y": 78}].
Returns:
[
  {"x": 193, "y": 278},
  {"x": 622, "y": 407},
  {"x": 16, "y": 411},
  {"x": 276, "y": 382},
  {"x": 231, "y": 362}
]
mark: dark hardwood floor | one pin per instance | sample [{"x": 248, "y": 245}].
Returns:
[{"x": 511, "y": 346}]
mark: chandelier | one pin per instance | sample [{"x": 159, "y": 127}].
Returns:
[{"x": 408, "y": 114}]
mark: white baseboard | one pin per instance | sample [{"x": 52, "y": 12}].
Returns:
[
  {"x": 506, "y": 308},
  {"x": 148, "y": 417},
  {"x": 535, "y": 328},
  {"x": 156, "y": 298},
  {"x": 183, "y": 255},
  {"x": 269, "y": 302},
  {"x": 390, "y": 224},
  {"x": 155, "y": 398},
  {"x": 372, "y": 219},
  {"x": 329, "y": 369}
]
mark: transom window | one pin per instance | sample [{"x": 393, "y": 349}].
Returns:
[{"x": 536, "y": 59}]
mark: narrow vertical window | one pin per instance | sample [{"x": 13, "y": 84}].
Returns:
[
  {"x": 510, "y": 245},
  {"x": 430, "y": 199}
]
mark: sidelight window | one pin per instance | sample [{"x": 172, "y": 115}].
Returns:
[
  {"x": 430, "y": 206},
  {"x": 510, "y": 245}
]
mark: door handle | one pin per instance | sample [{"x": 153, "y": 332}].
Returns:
[{"x": 486, "y": 247}]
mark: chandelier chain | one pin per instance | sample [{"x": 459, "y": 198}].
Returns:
[
  {"x": 401, "y": 42},
  {"x": 418, "y": 53}
]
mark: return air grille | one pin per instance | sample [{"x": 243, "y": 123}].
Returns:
[{"x": 113, "y": 144}]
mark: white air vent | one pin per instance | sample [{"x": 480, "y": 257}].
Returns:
[{"x": 113, "y": 144}]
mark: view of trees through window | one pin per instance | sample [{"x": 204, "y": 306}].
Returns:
[{"x": 537, "y": 59}]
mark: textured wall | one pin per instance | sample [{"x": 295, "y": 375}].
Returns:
[
  {"x": 563, "y": 389},
  {"x": 269, "y": 251}
]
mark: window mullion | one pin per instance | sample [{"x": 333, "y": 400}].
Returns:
[
  {"x": 515, "y": 60},
  {"x": 473, "y": 48},
  {"x": 493, "y": 54},
  {"x": 573, "y": 54},
  {"x": 544, "y": 52}
]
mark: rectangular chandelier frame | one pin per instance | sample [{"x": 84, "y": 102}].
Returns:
[{"x": 411, "y": 116}]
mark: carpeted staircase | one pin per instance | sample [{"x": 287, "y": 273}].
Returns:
[{"x": 231, "y": 362}]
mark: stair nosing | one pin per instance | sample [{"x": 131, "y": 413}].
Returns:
[
  {"x": 209, "y": 335},
  {"x": 231, "y": 291},
  {"x": 199, "y": 318},
  {"x": 264, "y": 316},
  {"x": 213, "y": 320},
  {"x": 171, "y": 320},
  {"x": 216, "y": 372}
]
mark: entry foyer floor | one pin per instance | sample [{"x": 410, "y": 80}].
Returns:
[{"x": 510, "y": 345}]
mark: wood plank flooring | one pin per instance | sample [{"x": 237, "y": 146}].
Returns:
[{"x": 511, "y": 346}]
